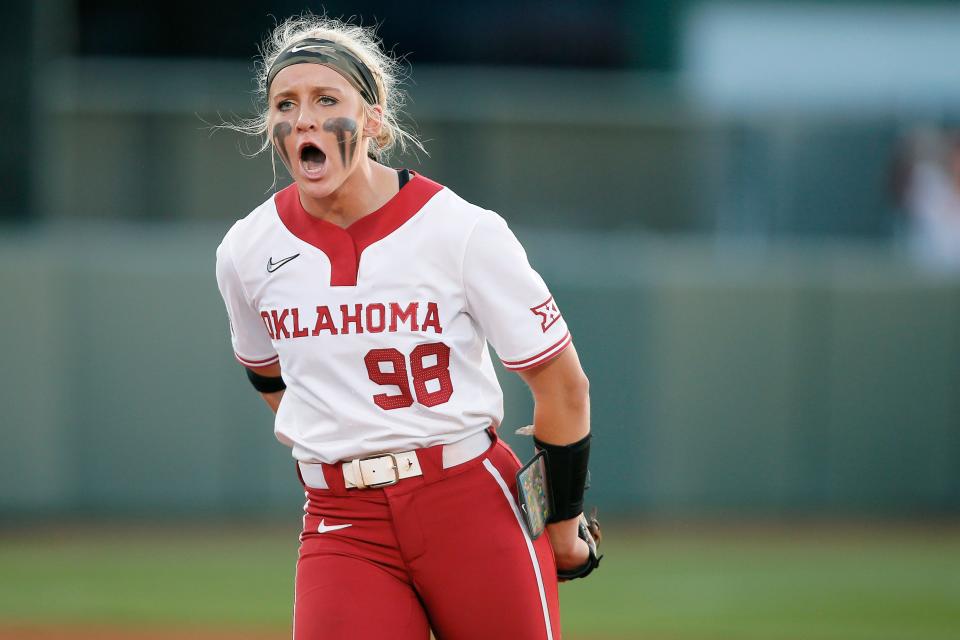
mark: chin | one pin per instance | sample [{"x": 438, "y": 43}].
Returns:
[{"x": 318, "y": 188}]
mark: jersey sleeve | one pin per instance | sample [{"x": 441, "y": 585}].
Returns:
[
  {"x": 251, "y": 343},
  {"x": 510, "y": 300}
]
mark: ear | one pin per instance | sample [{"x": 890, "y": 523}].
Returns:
[{"x": 373, "y": 123}]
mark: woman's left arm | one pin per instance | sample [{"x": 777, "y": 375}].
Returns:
[{"x": 561, "y": 416}]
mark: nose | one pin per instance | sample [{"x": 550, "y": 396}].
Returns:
[{"x": 306, "y": 121}]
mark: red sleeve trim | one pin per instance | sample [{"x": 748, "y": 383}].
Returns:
[
  {"x": 547, "y": 354},
  {"x": 256, "y": 363}
]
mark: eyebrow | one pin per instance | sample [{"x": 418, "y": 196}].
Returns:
[{"x": 291, "y": 92}]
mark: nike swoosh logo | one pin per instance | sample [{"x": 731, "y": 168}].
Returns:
[
  {"x": 307, "y": 47},
  {"x": 273, "y": 266},
  {"x": 323, "y": 528}
]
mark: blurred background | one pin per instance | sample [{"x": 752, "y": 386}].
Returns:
[{"x": 750, "y": 216}]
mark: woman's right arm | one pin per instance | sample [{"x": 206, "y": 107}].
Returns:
[
  {"x": 270, "y": 371},
  {"x": 251, "y": 343}
]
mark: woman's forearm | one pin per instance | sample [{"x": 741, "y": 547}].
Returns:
[
  {"x": 273, "y": 399},
  {"x": 561, "y": 394}
]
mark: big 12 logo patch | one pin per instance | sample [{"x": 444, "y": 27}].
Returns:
[{"x": 548, "y": 312}]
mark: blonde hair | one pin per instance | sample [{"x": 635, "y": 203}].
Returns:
[{"x": 362, "y": 41}]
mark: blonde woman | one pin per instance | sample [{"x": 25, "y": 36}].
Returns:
[{"x": 361, "y": 299}]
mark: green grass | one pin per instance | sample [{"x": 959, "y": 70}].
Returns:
[
  {"x": 694, "y": 585},
  {"x": 172, "y": 576},
  {"x": 773, "y": 585}
]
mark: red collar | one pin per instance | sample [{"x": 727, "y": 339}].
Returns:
[{"x": 344, "y": 246}]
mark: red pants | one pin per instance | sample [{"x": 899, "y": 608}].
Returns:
[{"x": 445, "y": 550}]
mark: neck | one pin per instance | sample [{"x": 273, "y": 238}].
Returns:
[{"x": 368, "y": 187}]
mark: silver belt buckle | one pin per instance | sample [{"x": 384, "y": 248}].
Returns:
[{"x": 385, "y": 483}]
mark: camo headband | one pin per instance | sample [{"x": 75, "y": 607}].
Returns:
[{"x": 329, "y": 54}]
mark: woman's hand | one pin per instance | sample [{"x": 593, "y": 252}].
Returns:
[{"x": 570, "y": 551}]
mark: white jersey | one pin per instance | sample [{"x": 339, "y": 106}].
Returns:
[{"x": 381, "y": 328}]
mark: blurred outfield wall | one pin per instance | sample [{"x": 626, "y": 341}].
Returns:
[
  {"x": 768, "y": 376},
  {"x": 132, "y": 139},
  {"x": 725, "y": 379}
]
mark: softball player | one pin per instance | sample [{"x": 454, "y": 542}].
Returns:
[{"x": 374, "y": 293}]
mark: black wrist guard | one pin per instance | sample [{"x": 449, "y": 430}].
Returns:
[
  {"x": 566, "y": 476},
  {"x": 265, "y": 384}
]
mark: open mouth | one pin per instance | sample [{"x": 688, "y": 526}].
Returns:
[{"x": 312, "y": 159}]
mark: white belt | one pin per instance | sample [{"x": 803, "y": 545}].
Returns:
[{"x": 389, "y": 468}]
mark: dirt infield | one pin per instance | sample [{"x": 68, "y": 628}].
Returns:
[{"x": 85, "y": 632}]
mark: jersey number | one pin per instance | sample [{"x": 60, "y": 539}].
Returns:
[{"x": 396, "y": 375}]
